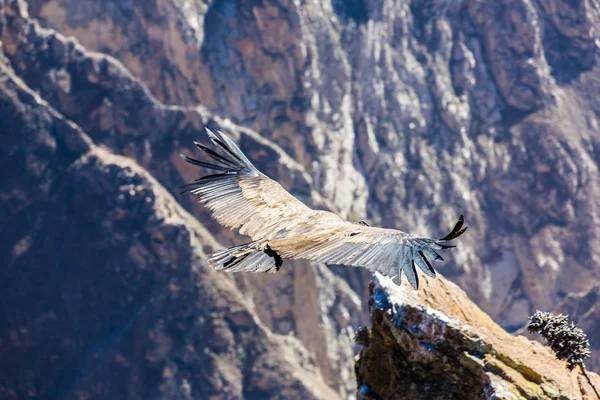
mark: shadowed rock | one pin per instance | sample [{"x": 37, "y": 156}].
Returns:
[{"x": 104, "y": 284}]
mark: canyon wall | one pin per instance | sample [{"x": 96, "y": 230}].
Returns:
[{"x": 403, "y": 113}]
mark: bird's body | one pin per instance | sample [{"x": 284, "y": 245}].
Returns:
[{"x": 282, "y": 227}]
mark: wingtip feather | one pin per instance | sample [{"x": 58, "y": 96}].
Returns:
[
  {"x": 210, "y": 133},
  {"x": 456, "y": 231}
]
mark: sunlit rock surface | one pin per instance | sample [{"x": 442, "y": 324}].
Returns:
[{"x": 436, "y": 344}]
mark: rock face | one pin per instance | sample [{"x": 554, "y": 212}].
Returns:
[
  {"x": 117, "y": 110},
  {"x": 105, "y": 293},
  {"x": 404, "y": 113},
  {"x": 436, "y": 344}
]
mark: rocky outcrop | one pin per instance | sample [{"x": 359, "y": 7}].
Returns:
[
  {"x": 511, "y": 37},
  {"x": 570, "y": 36},
  {"x": 436, "y": 344}
]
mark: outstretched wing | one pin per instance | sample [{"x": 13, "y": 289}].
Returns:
[
  {"x": 387, "y": 251},
  {"x": 240, "y": 196}
]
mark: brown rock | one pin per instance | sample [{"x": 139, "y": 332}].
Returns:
[{"x": 436, "y": 344}]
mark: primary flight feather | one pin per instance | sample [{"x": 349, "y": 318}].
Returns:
[{"x": 282, "y": 227}]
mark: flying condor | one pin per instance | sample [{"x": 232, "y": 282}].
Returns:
[{"x": 282, "y": 227}]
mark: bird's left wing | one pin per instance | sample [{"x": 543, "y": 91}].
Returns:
[
  {"x": 387, "y": 251},
  {"x": 240, "y": 196}
]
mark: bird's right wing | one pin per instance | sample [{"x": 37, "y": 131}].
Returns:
[
  {"x": 388, "y": 251},
  {"x": 240, "y": 196}
]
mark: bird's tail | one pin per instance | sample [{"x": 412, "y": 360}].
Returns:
[{"x": 246, "y": 257}]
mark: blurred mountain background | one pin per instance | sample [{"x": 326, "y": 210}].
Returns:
[{"x": 403, "y": 113}]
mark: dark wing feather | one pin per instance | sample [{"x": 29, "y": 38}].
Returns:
[
  {"x": 216, "y": 156},
  {"x": 456, "y": 231}
]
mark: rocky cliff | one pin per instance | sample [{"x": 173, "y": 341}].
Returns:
[
  {"x": 404, "y": 113},
  {"x": 436, "y": 344},
  {"x": 105, "y": 293}
]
